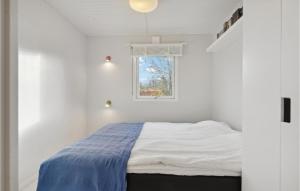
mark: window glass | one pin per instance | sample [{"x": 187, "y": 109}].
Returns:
[{"x": 155, "y": 77}]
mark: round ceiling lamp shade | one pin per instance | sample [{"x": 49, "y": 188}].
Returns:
[{"x": 143, "y": 6}]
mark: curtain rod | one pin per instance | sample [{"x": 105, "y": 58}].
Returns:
[{"x": 158, "y": 44}]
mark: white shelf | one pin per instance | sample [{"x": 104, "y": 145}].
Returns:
[{"x": 233, "y": 34}]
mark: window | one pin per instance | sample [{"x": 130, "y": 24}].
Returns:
[
  {"x": 155, "y": 78},
  {"x": 155, "y": 71}
]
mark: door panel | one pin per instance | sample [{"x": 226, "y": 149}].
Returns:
[
  {"x": 261, "y": 95},
  {"x": 289, "y": 88}
]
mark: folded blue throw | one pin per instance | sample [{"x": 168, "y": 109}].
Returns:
[{"x": 97, "y": 163}]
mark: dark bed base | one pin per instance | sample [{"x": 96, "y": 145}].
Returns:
[{"x": 157, "y": 182}]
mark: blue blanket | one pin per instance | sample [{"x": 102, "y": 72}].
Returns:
[{"x": 97, "y": 163}]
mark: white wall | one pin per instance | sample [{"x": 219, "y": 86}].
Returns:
[
  {"x": 115, "y": 83},
  {"x": 227, "y": 85},
  {"x": 52, "y": 86}
]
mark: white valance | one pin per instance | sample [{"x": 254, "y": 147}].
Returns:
[{"x": 157, "y": 49}]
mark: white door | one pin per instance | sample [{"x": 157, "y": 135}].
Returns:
[
  {"x": 289, "y": 89},
  {"x": 270, "y": 72},
  {"x": 261, "y": 95}
]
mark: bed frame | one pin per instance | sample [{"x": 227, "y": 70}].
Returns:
[{"x": 158, "y": 182}]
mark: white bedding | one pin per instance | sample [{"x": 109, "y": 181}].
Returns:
[{"x": 206, "y": 148}]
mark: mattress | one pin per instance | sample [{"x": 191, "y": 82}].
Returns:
[{"x": 206, "y": 148}]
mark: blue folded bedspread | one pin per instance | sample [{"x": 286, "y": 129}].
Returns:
[{"x": 97, "y": 163}]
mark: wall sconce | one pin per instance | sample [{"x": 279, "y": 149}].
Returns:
[
  {"x": 108, "y": 59},
  {"x": 108, "y": 103}
]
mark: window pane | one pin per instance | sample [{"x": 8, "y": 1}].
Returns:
[{"x": 155, "y": 76}]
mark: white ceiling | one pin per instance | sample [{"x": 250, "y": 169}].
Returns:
[{"x": 114, "y": 17}]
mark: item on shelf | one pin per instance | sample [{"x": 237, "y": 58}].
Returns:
[
  {"x": 220, "y": 33},
  {"x": 235, "y": 17},
  {"x": 226, "y": 26},
  {"x": 241, "y": 12},
  {"x": 230, "y": 23}
]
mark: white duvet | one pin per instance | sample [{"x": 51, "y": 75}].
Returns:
[{"x": 206, "y": 148}]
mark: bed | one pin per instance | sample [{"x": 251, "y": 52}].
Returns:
[
  {"x": 186, "y": 156},
  {"x": 149, "y": 156}
]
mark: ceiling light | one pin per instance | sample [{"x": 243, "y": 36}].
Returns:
[{"x": 143, "y": 6}]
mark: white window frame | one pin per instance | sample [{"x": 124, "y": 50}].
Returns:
[{"x": 136, "y": 86}]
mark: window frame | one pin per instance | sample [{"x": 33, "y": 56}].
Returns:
[{"x": 136, "y": 85}]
